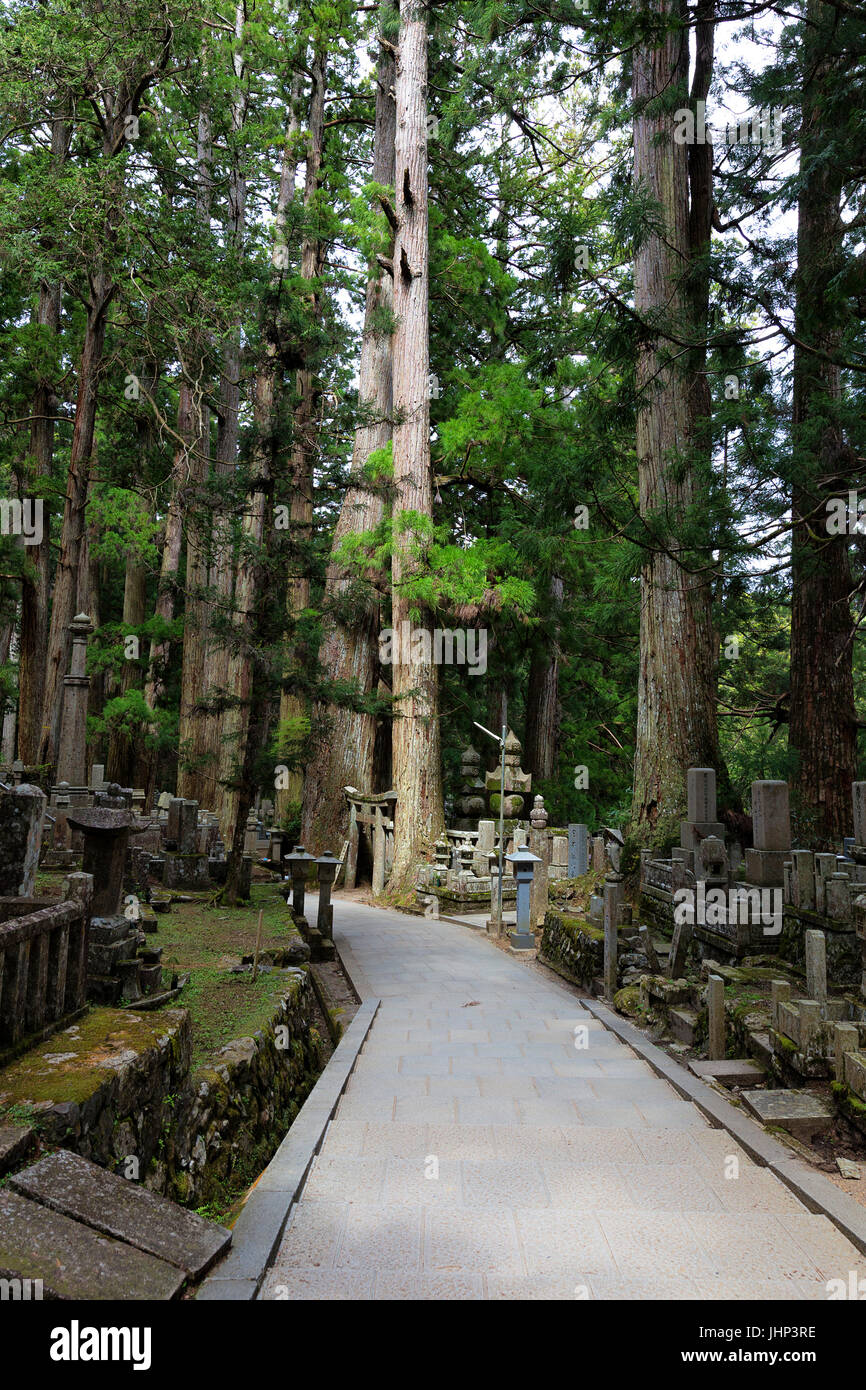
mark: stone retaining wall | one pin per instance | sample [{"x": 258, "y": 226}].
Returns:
[
  {"x": 118, "y": 1089},
  {"x": 572, "y": 947}
]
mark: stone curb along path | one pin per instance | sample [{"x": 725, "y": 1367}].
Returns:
[{"x": 496, "y": 1139}]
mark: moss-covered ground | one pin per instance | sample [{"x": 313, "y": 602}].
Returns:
[{"x": 206, "y": 941}]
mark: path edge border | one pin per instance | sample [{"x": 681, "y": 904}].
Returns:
[
  {"x": 258, "y": 1230},
  {"x": 814, "y": 1190}
]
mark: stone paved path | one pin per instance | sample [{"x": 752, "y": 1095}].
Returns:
[{"x": 477, "y": 1153}]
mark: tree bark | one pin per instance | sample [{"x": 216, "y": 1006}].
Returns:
[
  {"x": 74, "y": 516},
  {"x": 822, "y": 729},
  {"x": 36, "y": 585},
  {"x": 193, "y": 781},
  {"x": 419, "y": 813},
  {"x": 676, "y": 721},
  {"x": 293, "y": 707},
  {"x": 542, "y": 701},
  {"x": 246, "y": 718},
  {"x": 348, "y": 656}
]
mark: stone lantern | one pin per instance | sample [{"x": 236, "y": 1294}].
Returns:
[
  {"x": 523, "y": 863},
  {"x": 297, "y": 862},
  {"x": 327, "y": 865}
]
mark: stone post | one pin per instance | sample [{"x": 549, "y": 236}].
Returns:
[
  {"x": 612, "y": 901},
  {"x": 378, "y": 853},
  {"x": 539, "y": 846},
  {"x": 72, "y": 747},
  {"x": 716, "y": 1018},
  {"x": 816, "y": 965},
  {"x": 846, "y": 1038},
  {"x": 858, "y": 790},
  {"x": 327, "y": 864}
]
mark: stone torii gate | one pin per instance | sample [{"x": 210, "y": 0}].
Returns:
[{"x": 375, "y": 813}]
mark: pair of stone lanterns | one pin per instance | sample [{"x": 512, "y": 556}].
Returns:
[{"x": 320, "y": 938}]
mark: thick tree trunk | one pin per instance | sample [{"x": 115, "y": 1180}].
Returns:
[
  {"x": 193, "y": 781},
  {"x": 822, "y": 729},
  {"x": 35, "y": 587},
  {"x": 419, "y": 814},
  {"x": 246, "y": 721},
  {"x": 121, "y": 761},
  {"x": 676, "y": 722},
  {"x": 349, "y": 653},
  {"x": 74, "y": 517},
  {"x": 293, "y": 707},
  {"x": 542, "y": 700}
]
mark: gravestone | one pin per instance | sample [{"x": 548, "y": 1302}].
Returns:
[
  {"x": 816, "y": 965},
  {"x": 559, "y": 857},
  {"x": 21, "y": 813},
  {"x": 701, "y": 803},
  {"x": 188, "y": 827},
  {"x": 858, "y": 790},
  {"x": 771, "y": 825},
  {"x": 578, "y": 858}
]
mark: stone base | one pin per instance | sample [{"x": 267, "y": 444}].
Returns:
[
  {"x": 522, "y": 941},
  {"x": 185, "y": 871},
  {"x": 693, "y": 832},
  {"x": 765, "y": 868}
]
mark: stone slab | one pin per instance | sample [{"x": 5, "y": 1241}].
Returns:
[
  {"x": 730, "y": 1071},
  {"x": 801, "y": 1113},
  {"x": 72, "y": 1185},
  {"x": 73, "y": 1261},
  {"x": 16, "y": 1141}
]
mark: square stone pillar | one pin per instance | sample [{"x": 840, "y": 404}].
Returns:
[{"x": 72, "y": 747}]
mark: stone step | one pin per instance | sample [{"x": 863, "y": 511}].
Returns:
[
  {"x": 16, "y": 1142},
  {"x": 730, "y": 1071},
  {"x": 761, "y": 1047},
  {"x": 802, "y": 1113},
  {"x": 73, "y": 1261},
  {"x": 683, "y": 1024},
  {"x": 109, "y": 1204}
]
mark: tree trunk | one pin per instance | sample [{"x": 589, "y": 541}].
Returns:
[
  {"x": 676, "y": 721},
  {"x": 246, "y": 720},
  {"x": 293, "y": 708},
  {"x": 349, "y": 654},
  {"x": 74, "y": 517},
  {"x": 121, "y": 761},
  {"x": 193, "y": 781},
  {"x": 419, "y": 814},
  {"x": 542, "y": 701},
  {"x": 822, "y": 729}
]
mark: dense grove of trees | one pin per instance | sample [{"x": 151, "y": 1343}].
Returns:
[{"x": 320, "y": 319}]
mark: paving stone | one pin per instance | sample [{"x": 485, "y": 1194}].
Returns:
[
  {"x": 73, "y": 1261},
  {"x": 110, "y": 1204},
  {"x": 801, "y": 1113},
  {"x": 563, "y": 1173},
  {"x": 731, "y": 1071}
]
